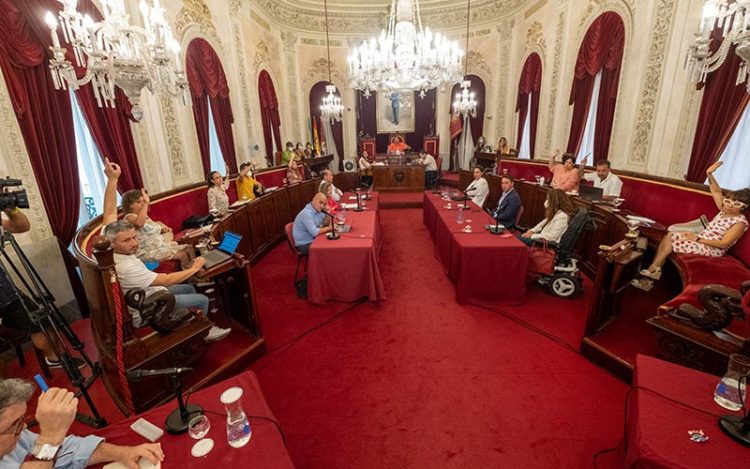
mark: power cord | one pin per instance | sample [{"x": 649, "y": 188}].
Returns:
[{"x": 625, "y": 417}]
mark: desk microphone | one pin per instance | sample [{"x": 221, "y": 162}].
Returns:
[
  {"x": 134, "y": 375},
  {"x": 332, "y": 235}
]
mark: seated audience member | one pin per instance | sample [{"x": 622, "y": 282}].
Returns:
[
  {"x": 365, "y": 168},
  {"x": 14, "y": 305},
  {"x": 327, "y": 189},
  {"x": 299, "y": 150},
  {"x": 478, "y": 190},
  {"x": 154, "y": 238},
  {"x": 247, "y": 185},
  {"x": 294, "y": 172},
  {"x": 430, "y": 170},
  {"x": 565, "y": 176},
  {"x": 133, "y": 273},
  {"x": 480, "y": 143},
  {"x": 335, "y": 191},
  {"x": 52, "y": 447},
  {"x": 558, "y": 209},
  {"x": 726, "y": 228},
  {"x": 311, "y": 222},
  {"x": 510, "y": 202},
  {"x": 502, "y": 147},
  {"x": 603, "y": 178},
  {"x": 218, "y": 200},
  {"x": 288, "y": 153},
  {"x": 309, "y": 150}
]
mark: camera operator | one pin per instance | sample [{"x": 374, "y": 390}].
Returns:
[{"x": 14, "y": 318}]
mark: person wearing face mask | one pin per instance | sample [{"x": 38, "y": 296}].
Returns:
[
  {"x": 726, "y": 228},
  {"x": 565, "y": 176},
  {"x": 288, "y": 154},
  {"x": 299, "y": 150},
  {"x": 558, "y": 210}
]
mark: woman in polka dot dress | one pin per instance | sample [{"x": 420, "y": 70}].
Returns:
[{"x": 715, "y": 240}]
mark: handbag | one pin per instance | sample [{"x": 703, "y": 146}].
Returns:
[
  {"x": 196, "y": 221},
  {"x": 541, "y": 259}
]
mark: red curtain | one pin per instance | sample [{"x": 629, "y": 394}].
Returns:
[
  {"x": 529, "y": 85},
  {"x": 721, "y": 108},
  {"x": 601, "y": 50},
  {"x": 208, "y": 83},
  {"x": 269, "y": 114},
  {"x": 45, "y": 119}
]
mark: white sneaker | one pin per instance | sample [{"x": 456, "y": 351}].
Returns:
[{"x": 217, "y": 333}]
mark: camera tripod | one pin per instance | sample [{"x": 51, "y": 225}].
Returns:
[{"x": 41, "y": 309}]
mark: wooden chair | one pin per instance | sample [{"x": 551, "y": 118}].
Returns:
[{"x": 300, "y": 255}]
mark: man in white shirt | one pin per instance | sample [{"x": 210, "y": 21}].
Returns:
[
  {"x": 335, "y": 191},
  {"x": 133, "y": 273},
  {"x": 430, "y": 170},
  {"x": 604, "y": 179}
]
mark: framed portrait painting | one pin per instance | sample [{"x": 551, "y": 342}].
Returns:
[{"x": 395, "y": 112}]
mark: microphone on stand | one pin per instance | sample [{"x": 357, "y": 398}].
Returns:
[
  {"x": 332, "y": 235},
  {"x": 498, "y": 228},
  {"x": 359, "y": 208},
  {"x": 177, "y": 421},
  {"x": 466, "y": 196}
]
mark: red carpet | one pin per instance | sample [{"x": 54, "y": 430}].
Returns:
[
  {"x": 401, "y": 200},
  {"x": 419, "y": 381}
]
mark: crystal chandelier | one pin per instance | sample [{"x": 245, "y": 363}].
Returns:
[
  {"x": 405, "y": 57},
  {"x": 733, "y": 18},
  {"x": 465, "y": 104},
  {"x": 332, "y": 108},
  {"x": 116, "y": 53}
]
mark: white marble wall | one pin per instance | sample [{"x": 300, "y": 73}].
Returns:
[{"x": 654, "y": 119}]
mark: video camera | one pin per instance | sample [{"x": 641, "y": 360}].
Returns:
[{"x": 14, "y": 199}]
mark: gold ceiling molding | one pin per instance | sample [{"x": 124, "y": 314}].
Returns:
[
  {"x": 534, "y": 8},
  {"x": 478, "y": 66},
  {"x": 372, "y": 21},
  {"x": 196, "y": 13},
  {"x": 535, "y": 36},
  {"x": 318, "y": 71},
  {"x": 599, "y": 6},
  {"x": 262, "y": 54}
]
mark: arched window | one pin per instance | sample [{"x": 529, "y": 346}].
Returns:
[
  {"x": 527, "y": 105},
  {"x": 723, "y": 124},
  {"x": 462, "y": 144},
  {"x": 594, "y": 91},
  {"x": 269, "y": 114},
  {"x": 330, "y": 132},
  {"x": 210, "y": 94}
]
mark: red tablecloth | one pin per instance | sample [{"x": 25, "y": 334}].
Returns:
[
  {"x": 486, "y": 268},
  {"x": 265, "y": 449},
  {"x": 657, "y": 431},
  {"x": 347, "y": 269}
]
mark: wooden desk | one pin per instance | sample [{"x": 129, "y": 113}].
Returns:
[{"x": 398, "y": 178}]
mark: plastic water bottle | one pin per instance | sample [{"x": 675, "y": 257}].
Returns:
[
  {"x": 238, "y": 427},
  {"x": 460, "y": 215}
]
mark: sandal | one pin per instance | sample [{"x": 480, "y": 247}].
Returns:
[{"x": 655, "y": 274}]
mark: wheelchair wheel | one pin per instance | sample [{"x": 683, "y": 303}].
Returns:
[{"x": 563, "y": 286}]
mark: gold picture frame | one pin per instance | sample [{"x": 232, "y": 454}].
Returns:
[{"x": 405, "y": 110}]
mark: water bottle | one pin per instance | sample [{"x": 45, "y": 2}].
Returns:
[
  {"x": 460, "y": 215},
  {"x": 727, "y": 392},
  {"x": 238, "y": 427}
]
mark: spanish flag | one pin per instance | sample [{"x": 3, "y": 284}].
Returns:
[
  {"x": 316, "y": 140},
  {"x": 455, "y": 126}
]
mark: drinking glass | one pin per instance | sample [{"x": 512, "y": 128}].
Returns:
[
  {"x": 732, "y": 384},
  {"x": 616, "y": 203},
  {"x": 198, "y": 428}
]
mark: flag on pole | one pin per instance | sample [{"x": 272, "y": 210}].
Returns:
[
  {"x": 309, "y": 130},
  {"x": 316, "y": 140},
  {"x": 455, "y": 126}
]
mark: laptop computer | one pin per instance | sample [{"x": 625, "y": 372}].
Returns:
[
  {"x": 590, "y": 192},
  {"x": 225, "y": 250}
]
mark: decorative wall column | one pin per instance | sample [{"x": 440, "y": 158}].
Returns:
[
  {"x": 502, "y": 110},
  {"x": 289, "y": 40},
  {"x": 553, "y": 84}
]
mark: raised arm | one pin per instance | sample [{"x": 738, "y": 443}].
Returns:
[
  {"x": 140, "y": 218},
  {"x": 582, "y": 166},
  {"x": 714, "y": 186},
  {"x": 112, "y": 171},
  {"x": 551, "y": 162}
]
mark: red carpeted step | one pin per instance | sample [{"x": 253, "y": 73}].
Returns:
[{"x": 400, "y": 200}]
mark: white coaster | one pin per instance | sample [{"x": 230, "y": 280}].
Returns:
[{"x": 202, "y": 447}]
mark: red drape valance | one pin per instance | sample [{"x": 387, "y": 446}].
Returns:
[
  {"x": 722, "y": 106},
  {"x": 208, "y": 84},
  {"x": 269, "y": 114},
  {"x": 601, "y": 50},
  {"x": 528, "y": 86}
]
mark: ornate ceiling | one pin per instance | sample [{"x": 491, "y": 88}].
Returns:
[{"x": 364, "y": 17}]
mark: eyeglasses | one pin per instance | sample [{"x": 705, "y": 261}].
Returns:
[
  {"x": 16, "y": 427},
  {"x": 734, "y": 203}
]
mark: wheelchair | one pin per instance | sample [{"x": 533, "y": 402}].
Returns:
[{"x": 565, "y": 280}]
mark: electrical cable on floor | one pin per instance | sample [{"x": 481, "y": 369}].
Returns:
[
  {"x": 536, "y": 330},
  {"x": 624, "y": 444}
]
